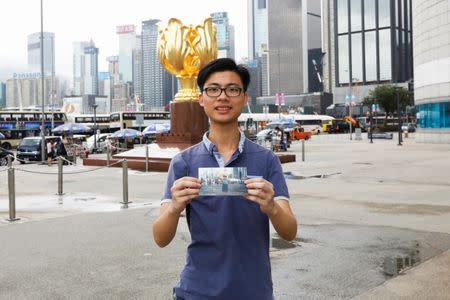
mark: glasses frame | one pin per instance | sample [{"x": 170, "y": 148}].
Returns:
[{"x": 223, "y": 90}]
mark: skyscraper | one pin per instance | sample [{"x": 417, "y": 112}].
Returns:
[
  {"x": 127, "y": 43},
  {"x": 2, "y": 94},
  {"x": 34, "y": 53},
  {"x": 85, "y": 68},
  {"x": 156, "y": 84},
  {"x": 278, "y": 39},
  {"x": 366, "y": 43},
  {"x": 225, "y": 34}
]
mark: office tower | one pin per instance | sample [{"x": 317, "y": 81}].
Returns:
[
  {"x": 156, "y": 84},
  {"x": 34, "y": 53},
  {"x": 26, "y": 91},
  {"x": 113, "y": 70},
  {"x": 225, "y": 34},
  {"x": 366, "y": 43},
  {"x": 431, "y": 39},
  {"x": 91, "y": 70},
  {"x": 137, "y": 69},
  {"x": 127, "y": 43},
  {"x": 2, "y": 94},
  {"x": 85, "y": 68},
  {"x": 278, "y": 39}
]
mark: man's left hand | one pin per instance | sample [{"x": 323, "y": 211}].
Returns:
[{"x": 261, "y": 191}]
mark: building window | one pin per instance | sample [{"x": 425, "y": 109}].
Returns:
[
  {"x": 355, "y": 6},
  {"x": 370, "y": 54},
  {"x": 342, "y": 12},
  {"x": 384, "y": 13},
  {"x": 369, "y": 14},
  {"x": 357, "y": 54},
  {"x": 385, "y": 54},
  {"x": 343, "y": 59},
  {"x": 261, "y": 4}
]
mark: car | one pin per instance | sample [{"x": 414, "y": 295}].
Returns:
[
  {"x": 4, "y": 156},
  {"x": 409, "y": 127}
]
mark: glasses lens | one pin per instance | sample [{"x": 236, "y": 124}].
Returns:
[
  {"x": 213, "y": 91},
  {"x": 233, "y": 91}
]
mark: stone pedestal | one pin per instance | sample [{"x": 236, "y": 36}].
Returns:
[{"x": 188, "y": 123}]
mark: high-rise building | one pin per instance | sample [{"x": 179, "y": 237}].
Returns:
[
  {"x": 91, "y": 70},
  {"x": 366, "y": 43},
  {"x": 26, "y": 92},
  {"x": 156, "y": 84},
  {"x": 2, "y": 94},
  {"x": 34, "y": 53},
  {"x": 278, "y": 39},
  {"x": 127, "y": 43},
  {"x": 113, "y": 70},
  {"x": 137, "y": 69},
  {"x": 431, "y": 39},
  {"x": 85, "y": 68},
  {"x": 224, "y": 34}
]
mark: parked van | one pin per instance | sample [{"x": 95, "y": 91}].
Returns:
[
  {"x": 101, "y": 142},
  {"x": 29, "y": 149}
]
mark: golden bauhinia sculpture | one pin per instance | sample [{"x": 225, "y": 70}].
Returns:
[{"x": 184, "y": 50}]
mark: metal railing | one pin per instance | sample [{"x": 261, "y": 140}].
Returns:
[{"x": 11, "y": 180}]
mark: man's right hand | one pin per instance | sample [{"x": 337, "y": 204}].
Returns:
[{"x": 183, "y": 191}]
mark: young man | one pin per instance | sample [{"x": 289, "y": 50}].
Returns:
[{"x": 228, "y": 257}]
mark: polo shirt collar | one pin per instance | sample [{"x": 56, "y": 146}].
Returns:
[{"x": 210, "y": 147}]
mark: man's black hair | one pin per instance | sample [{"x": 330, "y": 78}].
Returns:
[{"x": 220, "y": 65}]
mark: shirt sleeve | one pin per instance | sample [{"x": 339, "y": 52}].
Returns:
[
  {"x": 177, "y": 169},
  {"x": 276, "y": 177}
]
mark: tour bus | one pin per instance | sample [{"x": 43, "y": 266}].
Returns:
[
  {"x": 137, "y": 119},
  {"x": 377, "y": 121},
  {"x": 258, "y": 121},
  {"x": 103, "y": 121},
  {"x": 16, "y": 125}
]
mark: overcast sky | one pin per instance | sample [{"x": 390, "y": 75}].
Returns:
[{"x": 82, "y": 20}]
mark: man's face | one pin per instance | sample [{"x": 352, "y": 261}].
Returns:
[{"x": 223, "y": 108}]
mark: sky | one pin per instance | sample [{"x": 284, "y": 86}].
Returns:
[{"x": 82, "y": 20}]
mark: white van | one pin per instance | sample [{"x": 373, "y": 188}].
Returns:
[{"x": 101, "y": 142}]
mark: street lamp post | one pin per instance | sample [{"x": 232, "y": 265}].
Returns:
[
  {"x": 371, "y": 122},
  {"x": 278, "y": 93},
  {"x": 399, "y": 117},
  {"x": 94, "y": 106},
  {"x": 42, "y": 86}
]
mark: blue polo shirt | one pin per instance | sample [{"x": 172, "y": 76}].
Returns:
[{"x": 228, "y": 257}]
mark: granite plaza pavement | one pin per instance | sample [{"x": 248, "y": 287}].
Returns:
[{"x": 359, "y": 206}]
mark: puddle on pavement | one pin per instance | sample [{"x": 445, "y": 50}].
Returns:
[{"x": 394, "y": 265}]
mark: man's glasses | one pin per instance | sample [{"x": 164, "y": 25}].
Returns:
[{"x": 230, "y": 91}]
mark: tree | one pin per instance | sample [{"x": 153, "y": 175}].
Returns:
[{"x": 386, "y": 97}]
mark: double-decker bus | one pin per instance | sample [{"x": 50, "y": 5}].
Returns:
[
  {"x": 103, "y": 121},
  {"x": 16, "y": 125},
  {"x": 137, "y": 119}
]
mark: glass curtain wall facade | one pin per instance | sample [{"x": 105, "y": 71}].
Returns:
[
  {"x": 156, "y": 83},
  {"x": 374, "y": 41},
  {"x": 34, "y": 53}
]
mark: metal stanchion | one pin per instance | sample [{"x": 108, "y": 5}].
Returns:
[
  {"x": 303, "y": 150},
  {"x": 146, "y": 158},
  {"x": 125, "y": 201},
  {"x": 60, "y": 176},
  {"x": 12, "y": 192},
  {"x": 108, "y": 154}
]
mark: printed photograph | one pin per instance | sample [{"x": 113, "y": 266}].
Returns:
[{"x": 222, "y": 181}]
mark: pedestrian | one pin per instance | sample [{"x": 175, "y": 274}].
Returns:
[
  {"x": 49, "y": 153},
  {"x": 228, "y": 257}
]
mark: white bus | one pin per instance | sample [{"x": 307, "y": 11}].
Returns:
[{"x": 258, "y": 121}]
